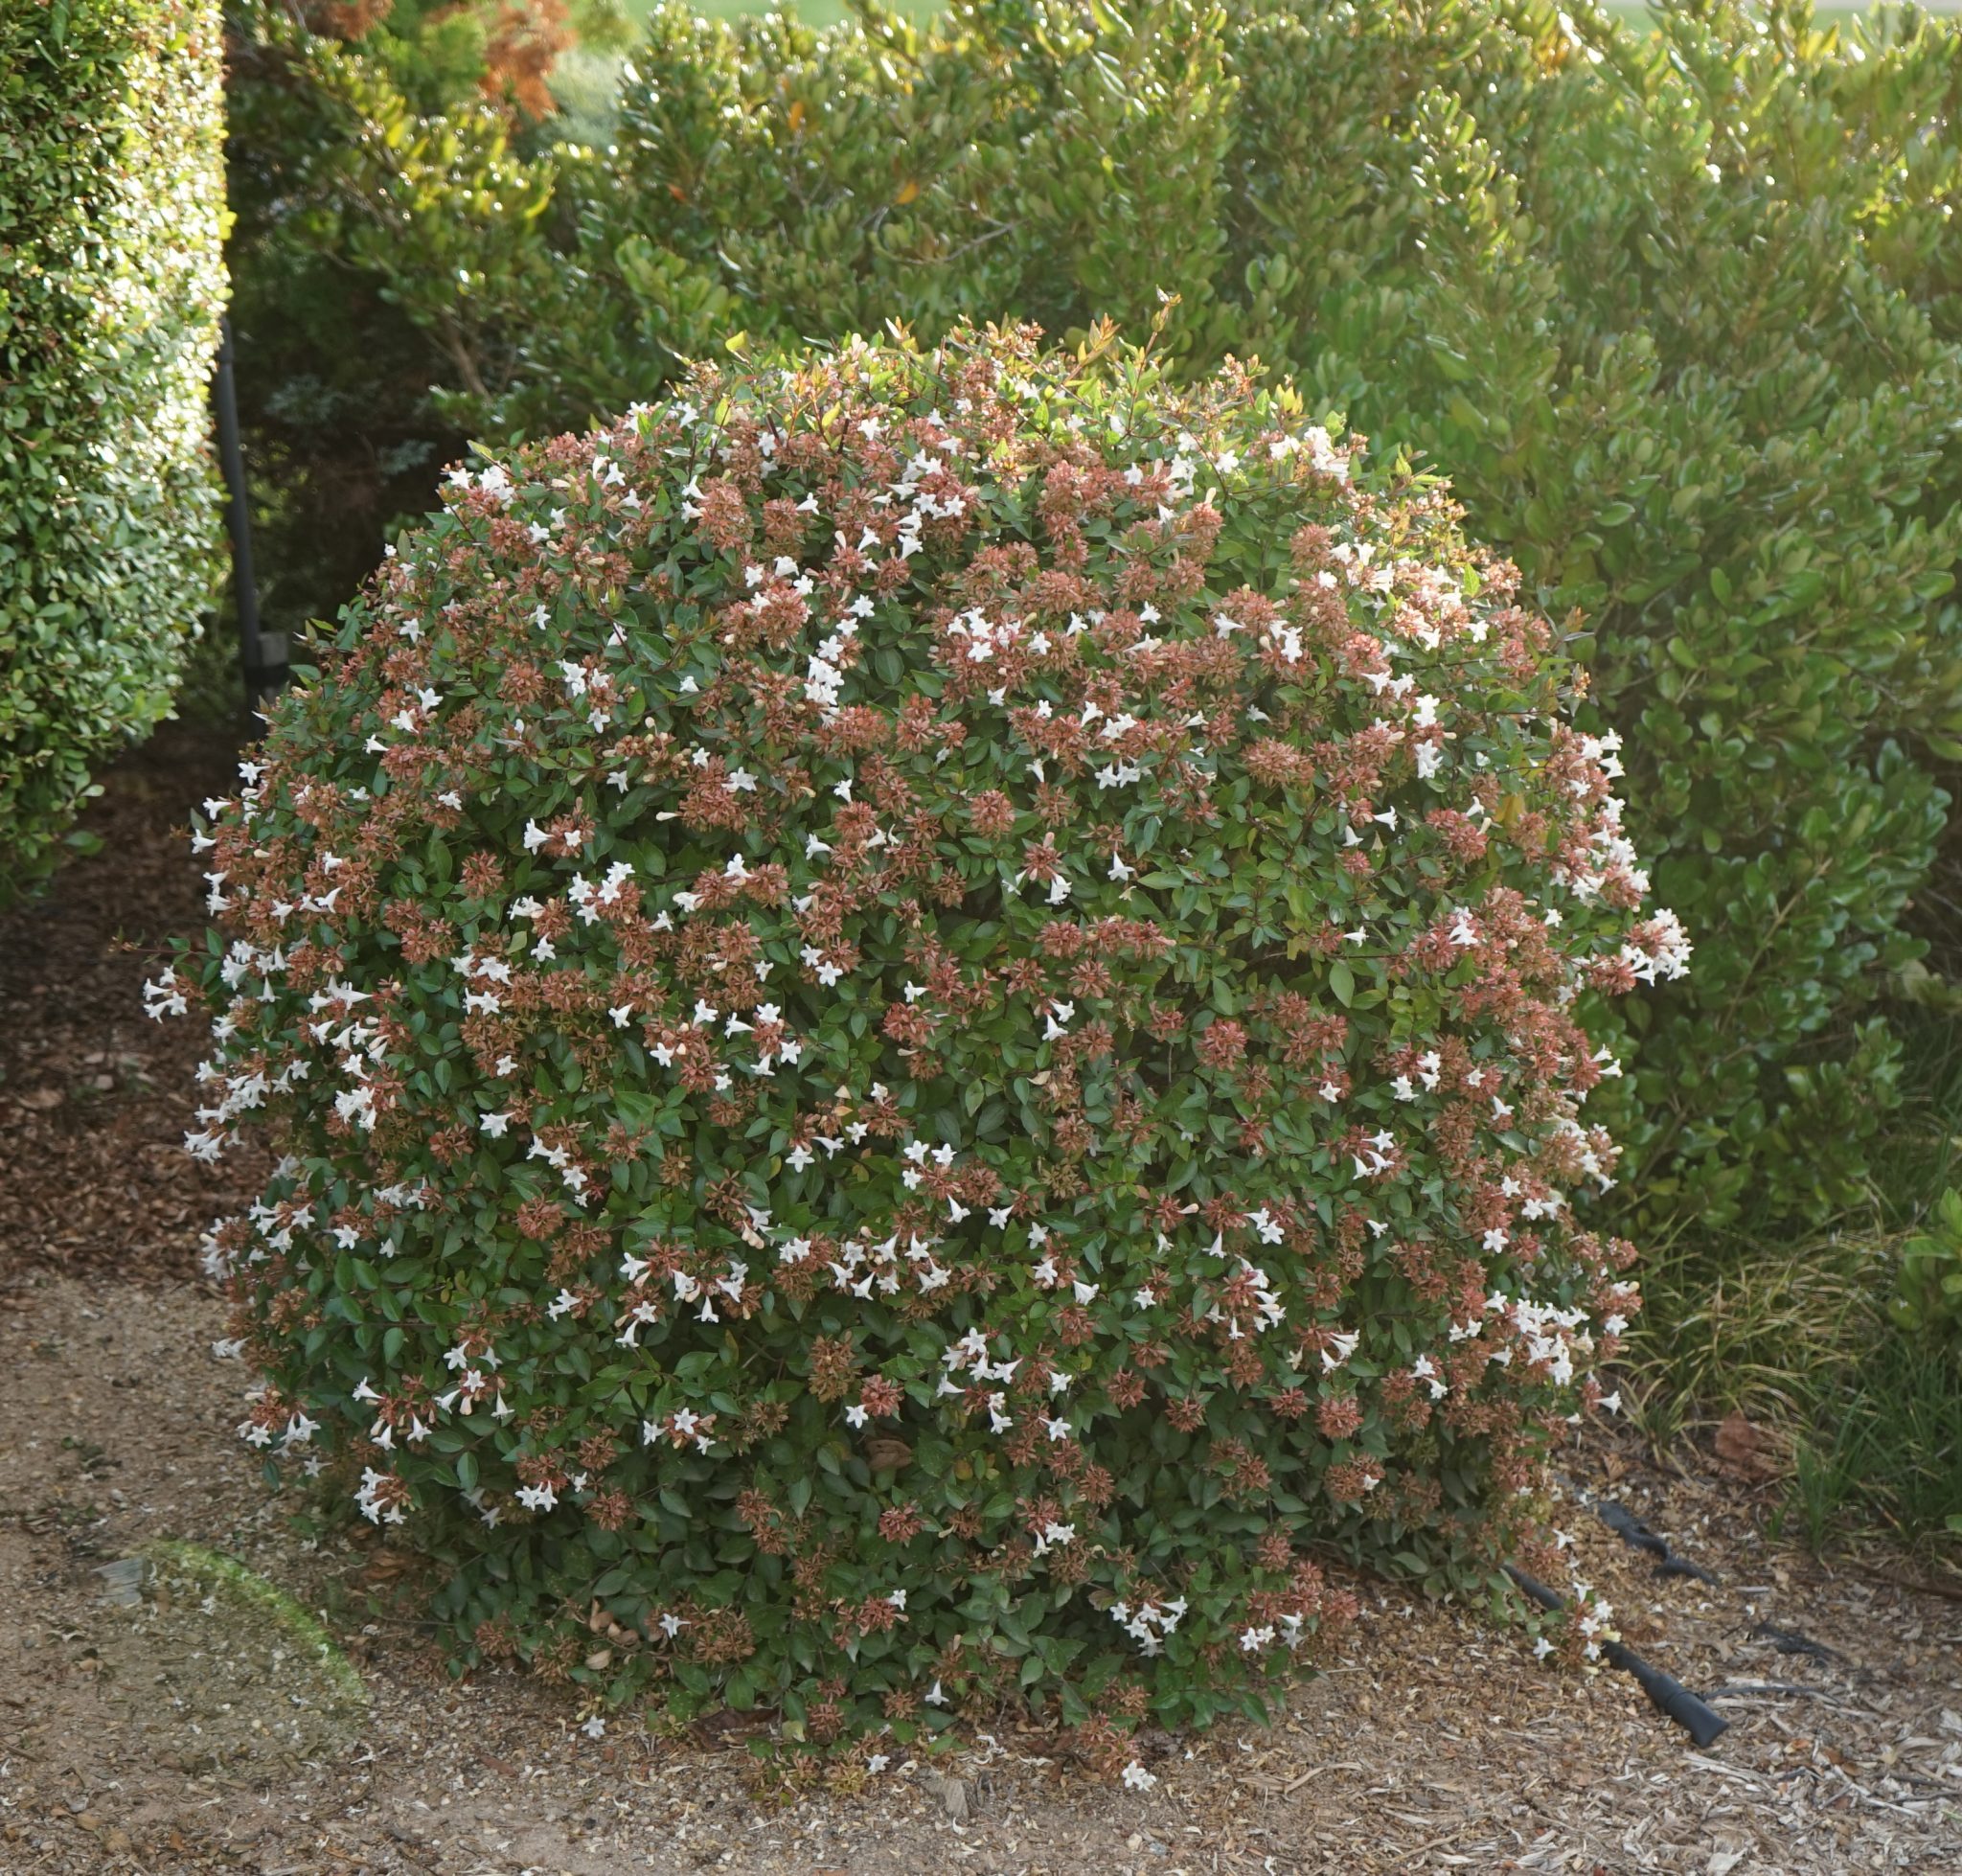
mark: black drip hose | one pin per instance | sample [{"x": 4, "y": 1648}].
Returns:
[
  {"x": 1631, "y": 1529},
  {"x": 1666, "y": 1693}
]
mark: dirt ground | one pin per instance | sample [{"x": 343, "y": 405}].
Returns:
[{"x": 164, "y": 1711}]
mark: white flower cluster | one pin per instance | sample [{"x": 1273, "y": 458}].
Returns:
[{"x": 1149, "y": 1623}]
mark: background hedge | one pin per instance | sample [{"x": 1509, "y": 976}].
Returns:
[
  {"x": 111, "y": 280},
  {"x": 1677, "y": 312}
]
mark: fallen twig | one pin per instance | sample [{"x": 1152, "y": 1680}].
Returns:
[
  {"x": 1295, "y": 1783},
  {"x": 1792, "y": 1641},
  {"x": 1739, "y": 1689},
  {"x": 1947, "y": 1592}
]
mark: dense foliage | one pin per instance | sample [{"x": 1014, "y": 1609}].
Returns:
[
  {"x": 1679, "y": 313},
  {"x": 334, "y": 374},
  {"x": 111, "y": 205},
  {"x": 1927, "y": 1303},
  {"x": 928, "y": 1015}
]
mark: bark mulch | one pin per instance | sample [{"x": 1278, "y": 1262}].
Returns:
[{"x": 95, "y": 1098}]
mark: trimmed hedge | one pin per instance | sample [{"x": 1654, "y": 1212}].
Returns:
[
  {"x": 111, "y": 218},
  {"x": 930, "y": 1020}
]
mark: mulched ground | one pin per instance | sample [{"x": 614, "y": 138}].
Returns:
[
  {"x": 171, "y": 1734},
  {"x": 94, "y": 1096}
]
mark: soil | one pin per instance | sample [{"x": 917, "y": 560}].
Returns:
[{"x": 168, "y": 1707}]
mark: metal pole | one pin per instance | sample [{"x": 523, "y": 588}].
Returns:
[{"x": 261, "y": 656}]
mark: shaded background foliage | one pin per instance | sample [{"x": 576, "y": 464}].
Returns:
[
  {"x": 334, "y": 371},
  {"x": 1677, "y": 312},
  {"x": 111, "y": 210}
]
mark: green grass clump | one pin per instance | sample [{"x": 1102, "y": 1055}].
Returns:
[
  {"x": 1888, "y": 1457},
  {"x": 1825, "y": 1336}
]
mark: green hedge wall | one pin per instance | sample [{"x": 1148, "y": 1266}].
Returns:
[
  {"x": 1675, "y": 310},
  {"x": 112, "y": 281}
]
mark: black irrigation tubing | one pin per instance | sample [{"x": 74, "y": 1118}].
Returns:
[
  {"x": 1789, "y": 1641},
  {"x": 1631, "y": 1529},
  {"x": 1666, "y": 1693},
  {"x": 261, "y": 656}
]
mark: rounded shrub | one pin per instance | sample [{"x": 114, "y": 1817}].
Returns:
[{"x": 928, "y": 1015}]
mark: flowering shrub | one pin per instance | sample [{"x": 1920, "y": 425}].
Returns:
[{"x": 928, "y": 1014}]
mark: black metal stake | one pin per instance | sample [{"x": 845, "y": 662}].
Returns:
[{"x": 261, "y": 656}]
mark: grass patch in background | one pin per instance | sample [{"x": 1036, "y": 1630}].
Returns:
[
  {"x": 1806, "y": 1338},
  {"x": 1889, "y": 1455}
]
